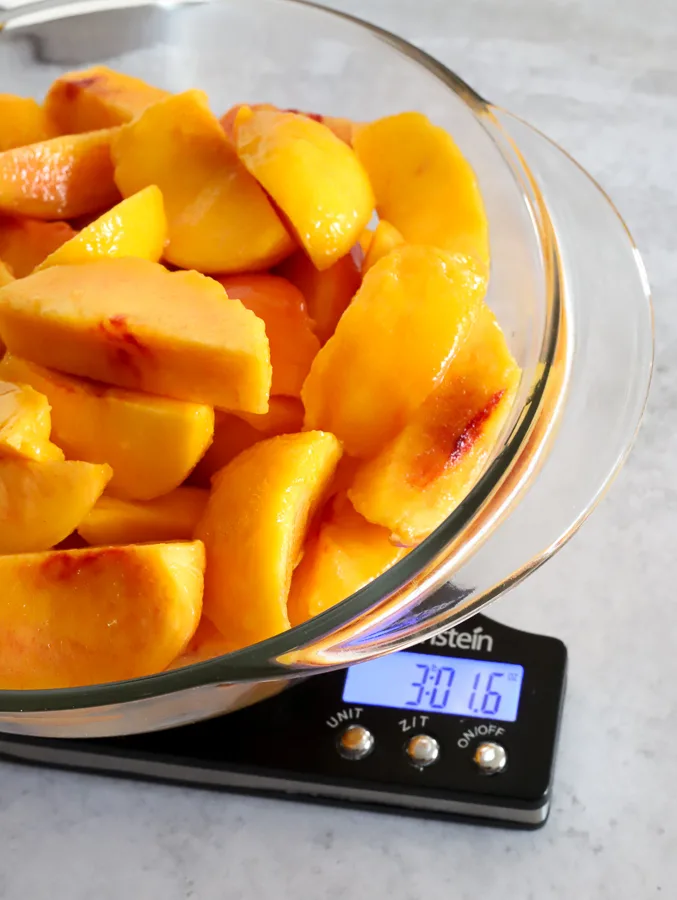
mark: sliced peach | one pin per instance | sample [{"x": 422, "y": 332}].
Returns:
[
  {"x": 385, "y": 238},
  {"x": 22, "y": 121},
  {"x": 235, "y": 433},
  {"x": 254, "y": 528},
  {"x": 342, "y": 128},
  {"x": 206, "y": 643},
  {"x": 172, "y": 517},
  {"x": 42, "y": 502},
  {"x": 327, "y": 293},
  {"x": 152, "y": 443},
  {"x": 6, "y": 277},
  {"x": 428, "y": 469},
  {"x": 60, "y": 178},
  {"x": 343, "y": 555},
  {"x": 98, "y": 98},
  {"x": 220, "y": 219},
  {"x": 392, "y": 346},
  {"x": 75, "y": 617},
  {"x": 423, "y": 184},
  {"x": 25, "y": 243},
  {"x": 136, "y": 226},
  {"x": 25, "y": 424},
  {"x": 313, "y": 177},
  {"x": 364, "y": 241},
  {"x": 281, "y": 306},
  {"x": 130, "y": 323}
]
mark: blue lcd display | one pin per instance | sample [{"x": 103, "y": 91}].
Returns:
[{"x": 437, "y": 684}]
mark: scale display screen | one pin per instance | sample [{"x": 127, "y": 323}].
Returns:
[{"x": 437, "y": 684}]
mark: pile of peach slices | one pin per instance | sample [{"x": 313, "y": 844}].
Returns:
[{"x": 227, "y": 399}]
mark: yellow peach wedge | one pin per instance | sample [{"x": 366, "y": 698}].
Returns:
[
  {"x": 75, "y": 617},
  {"x": 206, "y": 643},
  {"x": 6, "y": 276},
  {"x": 25, "y": 243},
  {"x": 384, "y": 239},
  {"x": 22, "y": 121},
  {"x": 25, "y": 424}
]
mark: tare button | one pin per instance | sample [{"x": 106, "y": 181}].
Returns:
[{"x": 422, "y": 750}]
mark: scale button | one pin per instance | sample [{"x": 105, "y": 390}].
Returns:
[
  {"x": 355, "y": 742},
  {"x": 490, "y": 758},
  {"x": 422, "y": 750}
]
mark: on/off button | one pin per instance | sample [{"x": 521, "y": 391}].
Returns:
[{"x": 490, "y": 758}]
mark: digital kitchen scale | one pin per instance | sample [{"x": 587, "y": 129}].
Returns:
[{"x": 464, "y": 725}]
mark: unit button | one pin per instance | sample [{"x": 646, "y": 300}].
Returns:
[
  {"x": 422, "y": 750},
  {"x": 490, "y": 758},
  {"x": 355, "y": 742}
]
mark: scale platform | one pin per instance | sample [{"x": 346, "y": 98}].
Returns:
[{"x": 463, "y": 726}]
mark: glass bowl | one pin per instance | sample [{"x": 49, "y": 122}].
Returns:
[{"x": 567, "y": 285}]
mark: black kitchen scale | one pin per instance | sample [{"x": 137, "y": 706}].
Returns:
[{"x": 464, "y": 725}]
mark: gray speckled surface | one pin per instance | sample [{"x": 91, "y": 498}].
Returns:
[{"x": 600, "y": 77}]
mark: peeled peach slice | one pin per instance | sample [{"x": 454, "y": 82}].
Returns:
[
  {"x": 135, "y": 227},
  {"x": 25, "y": 243},
  {"x": 235, "y": 433},
  {"x": 392, "y": 346},
  {"x": 281, "y": 306},
  {"x": 25, "y": 424},
  {"x": 22, "y": 121},
  {"x": 313, "y": 177},
  {"x": 343, "y": 555},
  {"x": 152, "y": 443},
  {"x": 254, "y": 527},
  {"x": 75, "y": 617},
  {"x": 327, "y": 293},
  {"x": 220, "y": 219},
  {"x": 6, "y": 277},
  {"x": 42, "y": 502},
  {"x": 172, "y": 517},
  {"x": 342, "y": 128},
  {"x": 427, "y": 470},
  {"x": 423, "y": 184},
  {"x": 131, "y": 323},
  {"x": 98, "y": 98},
  {"x": 60, "y": 178},
  {"x": 206, "y": 643},
  {"x": 385, "y": 238}
]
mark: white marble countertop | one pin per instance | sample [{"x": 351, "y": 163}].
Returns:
[{"x": 600, "y": 77}]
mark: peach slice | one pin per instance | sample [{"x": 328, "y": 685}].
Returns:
[
  {"x": 75, "y": 617},
  {"x": 281, "y": 306},
  {"x": 130, "y": 323},
  {"x": 6, "y": 277},
  {"x": 42, "y": 502},
  {"x": 343, "y": 555},
  {"x": 135, "y": 227},
  {"x": 220, "y": 220},
  {"x": 206, "y": 643},
  {"x": 25, "y": 424},
  {"x": 392, "y": 346},
  {"x": 428, "y": 469},
  {"x": 235, "y": 433},
  {"x": 61, "y": 178},
  {"x": 25, "y": 243},
  {"x": 327, "y": 293},
  {"x": 254, "y": 527},
  {"x": 152, "y": 443},
  {"x": 98, "y": 98},
  {"x": 172, "y": 517},
  {"x": 313, "y": 177},
  {"x": 22, "y": 121},
  {"x": 423, "y": 184},
  {"x": 384, "y": 239}
]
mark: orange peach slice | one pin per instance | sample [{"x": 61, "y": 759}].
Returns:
[
  {"x": 130, "y": 323},
  {"x": 392, "y": 346},
  {"x": 98, "y": 98},
  {"x": 75, "y": 617},
  {"x": 343, "y": 555},
  {"x": 22, "y": 121},
  {"x": 384, "y": 239},
  {"x": 172, "y": 517},
  {"x": 254, "y": 528},
  {"x": 152, "y": 443},
  {"x": 313, "y": 177},
  {"x": 220, "y": 220},
  {"x": 25, "y": 424},
  {"x": 206, "y": 643},
  {"x": 135, "y": 227},
  {"x": 60, "y": 178},
  {"x": 25, "y": 243},
  {"x": 428, "y": 469},
  {"x": 6, "y": 277},
  {"x": 281, "y": 306},
  {"x": 423, "y": 184},
  {"x": 42, "y": 502}
]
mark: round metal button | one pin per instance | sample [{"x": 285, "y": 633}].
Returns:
[
  {"x": 355, "y": 742},
  {"x": 422, "y": 750},
  {"x": 490, "y": 758}
]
